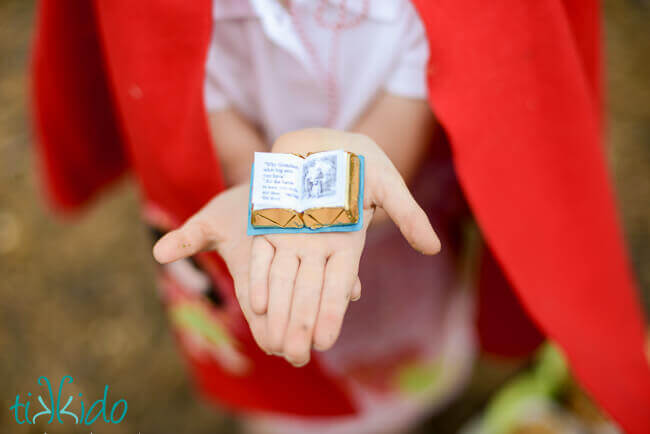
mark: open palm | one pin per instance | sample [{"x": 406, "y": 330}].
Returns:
[{"x": 294, "y": 289}]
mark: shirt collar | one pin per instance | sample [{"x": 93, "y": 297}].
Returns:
[{"x": 378, "y": 10}]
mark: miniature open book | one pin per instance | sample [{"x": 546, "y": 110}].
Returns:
[{"x": 291, "y": 192}]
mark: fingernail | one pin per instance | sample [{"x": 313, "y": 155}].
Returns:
[
  {"x": 355, "y": 298},
  {"x": 297, "y": 365}
]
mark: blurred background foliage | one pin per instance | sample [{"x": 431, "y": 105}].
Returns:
[{"x": 78, "y": 297}]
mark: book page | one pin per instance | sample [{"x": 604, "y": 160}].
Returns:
[
  {"x": 324, "y": 180},
  {"x": 277, "y": 181}
]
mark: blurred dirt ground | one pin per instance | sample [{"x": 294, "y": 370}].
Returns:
[{"x": 77, "y": 297}]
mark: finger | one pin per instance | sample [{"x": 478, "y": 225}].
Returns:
[
  {"x": 395, "y": 198},
  {"x": 282, "y": 278},
  {"x": 356, "y": 290},
  {"x": 239, "y": 271},
  {"x": 193, "y": 237},
  {"x": 340, "y": 278},
  {"x": 304, "y": 308},
  {"x": 261, "y": 256}
]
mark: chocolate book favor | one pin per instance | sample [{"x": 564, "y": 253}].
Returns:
[{"x": 320, "y": 190}]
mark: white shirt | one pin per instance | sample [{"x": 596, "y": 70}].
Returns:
[{"x": 272, "y": 64}]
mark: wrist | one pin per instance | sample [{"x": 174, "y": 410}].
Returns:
[{"x": 324, "y": 139}]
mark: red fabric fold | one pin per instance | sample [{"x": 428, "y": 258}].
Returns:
[
  {"x": 514, "y": 84},
  {"x": 80, "y": 145}
]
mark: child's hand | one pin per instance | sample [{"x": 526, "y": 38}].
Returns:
[
  {"x": 296, "y": 288},
  {"x": 303, "y": 282}
]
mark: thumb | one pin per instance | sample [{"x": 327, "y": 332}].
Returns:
[
  {"x": 191, "y": 238},
  {"x": 394, "y": 197},
  {"x": 205, "y": 229}
]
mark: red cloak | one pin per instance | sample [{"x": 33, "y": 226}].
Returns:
[{"x": 517, "y": 87}]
